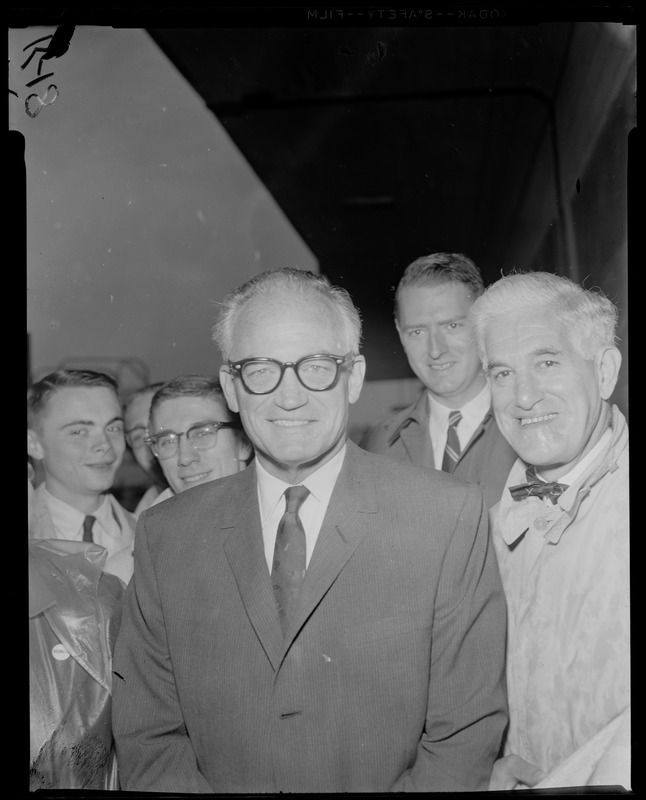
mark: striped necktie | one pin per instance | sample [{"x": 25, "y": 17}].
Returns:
[
  {"x": 288, "y": 568},
  {"x": 452, "y": 449},
  {"x": 88, "y": 522}
]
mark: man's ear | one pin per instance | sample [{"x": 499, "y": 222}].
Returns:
[
  {"x": 608, "y": 363},
  {"x": 245, "y": 450},
  {"x": 399, "y": 330},
  {"x": 357, "y": 375},
  {"x": 34, "y": 447},
  {"x": 226, "y": 381}
]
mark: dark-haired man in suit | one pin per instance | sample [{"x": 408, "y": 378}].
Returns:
[{"x": 451, "y": 425}]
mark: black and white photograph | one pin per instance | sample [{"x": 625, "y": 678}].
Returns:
[{"x": 263, "y": 561}]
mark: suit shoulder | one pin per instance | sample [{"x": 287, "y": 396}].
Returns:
[
  {"x": 210, "y": 494},
  {"x": 378, "y": 435},
  {"x": 391, "y": 473}
]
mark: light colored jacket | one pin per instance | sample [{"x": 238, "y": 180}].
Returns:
[{"x": 565, "y": 571}]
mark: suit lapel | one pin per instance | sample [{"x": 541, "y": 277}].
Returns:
[
  {"x": 474, "y": 437},
  {"x": 245, "y": 553},
  {"x": 346, "y": 523},
  {"x": 415, "y": 435},
  {"x": 417, "y": 442}
]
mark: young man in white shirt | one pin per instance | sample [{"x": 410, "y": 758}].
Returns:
[{"x": 76, "y": 432}]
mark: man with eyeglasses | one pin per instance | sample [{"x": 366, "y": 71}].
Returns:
[
  {"x": 75, "y": 431},
  {"x": 326, "y": 620},
  {"x": 136, "y": 411},
  {"x": 193, "y": 435}
]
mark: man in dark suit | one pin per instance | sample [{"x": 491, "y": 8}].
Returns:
[
  {"x": 451, "y": 425},
  {"x": 326, "y": 620}
]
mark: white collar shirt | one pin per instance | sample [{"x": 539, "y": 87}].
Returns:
[
  {"x": 579, "y": 468},
  {"x": 473, "y": 412},
  {"x": 271, "y": 500},
  {"x": 68, "y": 522}
]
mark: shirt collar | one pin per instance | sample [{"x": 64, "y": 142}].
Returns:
[
  {"x": 515, "y": 517},
  {"x": 580, "y": 467},
  {"x": 68, "y": 519},
  {"x": 473, "y": 411},
  {"x": 320, "y": 483}
]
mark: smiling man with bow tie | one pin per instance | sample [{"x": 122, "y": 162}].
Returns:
[{"x": 561, "y": 528}]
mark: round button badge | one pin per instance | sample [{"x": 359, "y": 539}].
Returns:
[{"x": 60, "y": 652}]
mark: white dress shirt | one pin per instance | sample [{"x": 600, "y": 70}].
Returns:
[
  {"x": 472, "y": 412},
  {"x": 111, "y": 529},
  {"x": 271, "y": 499}
]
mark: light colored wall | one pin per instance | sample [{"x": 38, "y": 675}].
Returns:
[{"x": 141, "y": 212}]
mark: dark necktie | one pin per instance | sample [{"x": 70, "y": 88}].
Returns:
[
  {"x": 88, "y": 522},
  {"x": 535, "y": 487},
  {"x": 452, "y": 449},
  {"x": 288, "y": 568}
]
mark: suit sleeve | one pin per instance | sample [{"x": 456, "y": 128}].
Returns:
[
  {"x": 467, "y": 700},
  {"x": 154, "y": 751}
]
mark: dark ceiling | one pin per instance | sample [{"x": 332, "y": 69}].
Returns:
[{"x": 383, "y": 144}]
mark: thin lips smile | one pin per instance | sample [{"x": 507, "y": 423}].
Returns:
[
  {"x": 525, "y": 421},
  {"x": 290, "y": 423},
  {"x": 441, "y": 367},
  {"x": 194, "y": 478}
]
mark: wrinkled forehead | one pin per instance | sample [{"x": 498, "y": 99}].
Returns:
[
  {"x": 277, "y": 318},
  {"x": 525, "y": 333}
]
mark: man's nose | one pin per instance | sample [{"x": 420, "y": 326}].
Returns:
[
  {"x": 528, "y": 392},
  {"x": 290, "y": 392},
  {"x": 436, "y": 343},
  {"x": 186, "y": 453},
  {"x": 101, "y": 440}
]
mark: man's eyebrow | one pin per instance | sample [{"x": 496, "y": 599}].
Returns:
[
  {"x": 495, "y": 364},
  {"x": 541, "y": 351},
  {"x": 547, "y": 351},
  {"x": 89, "y": 422},
  {"x": 456, "y": 318}
]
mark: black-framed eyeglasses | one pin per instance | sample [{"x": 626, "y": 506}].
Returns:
[
  {"x": 201, "y": 437},
  {"x": 318, "y": 373},
  {"x": 136, "y": 437}
]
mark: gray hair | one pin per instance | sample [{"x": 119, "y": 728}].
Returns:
[
  {"x": 296, "y": 282},
  {"x": 588, "y": 315},
  {"x": 436, "y": 269}
]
